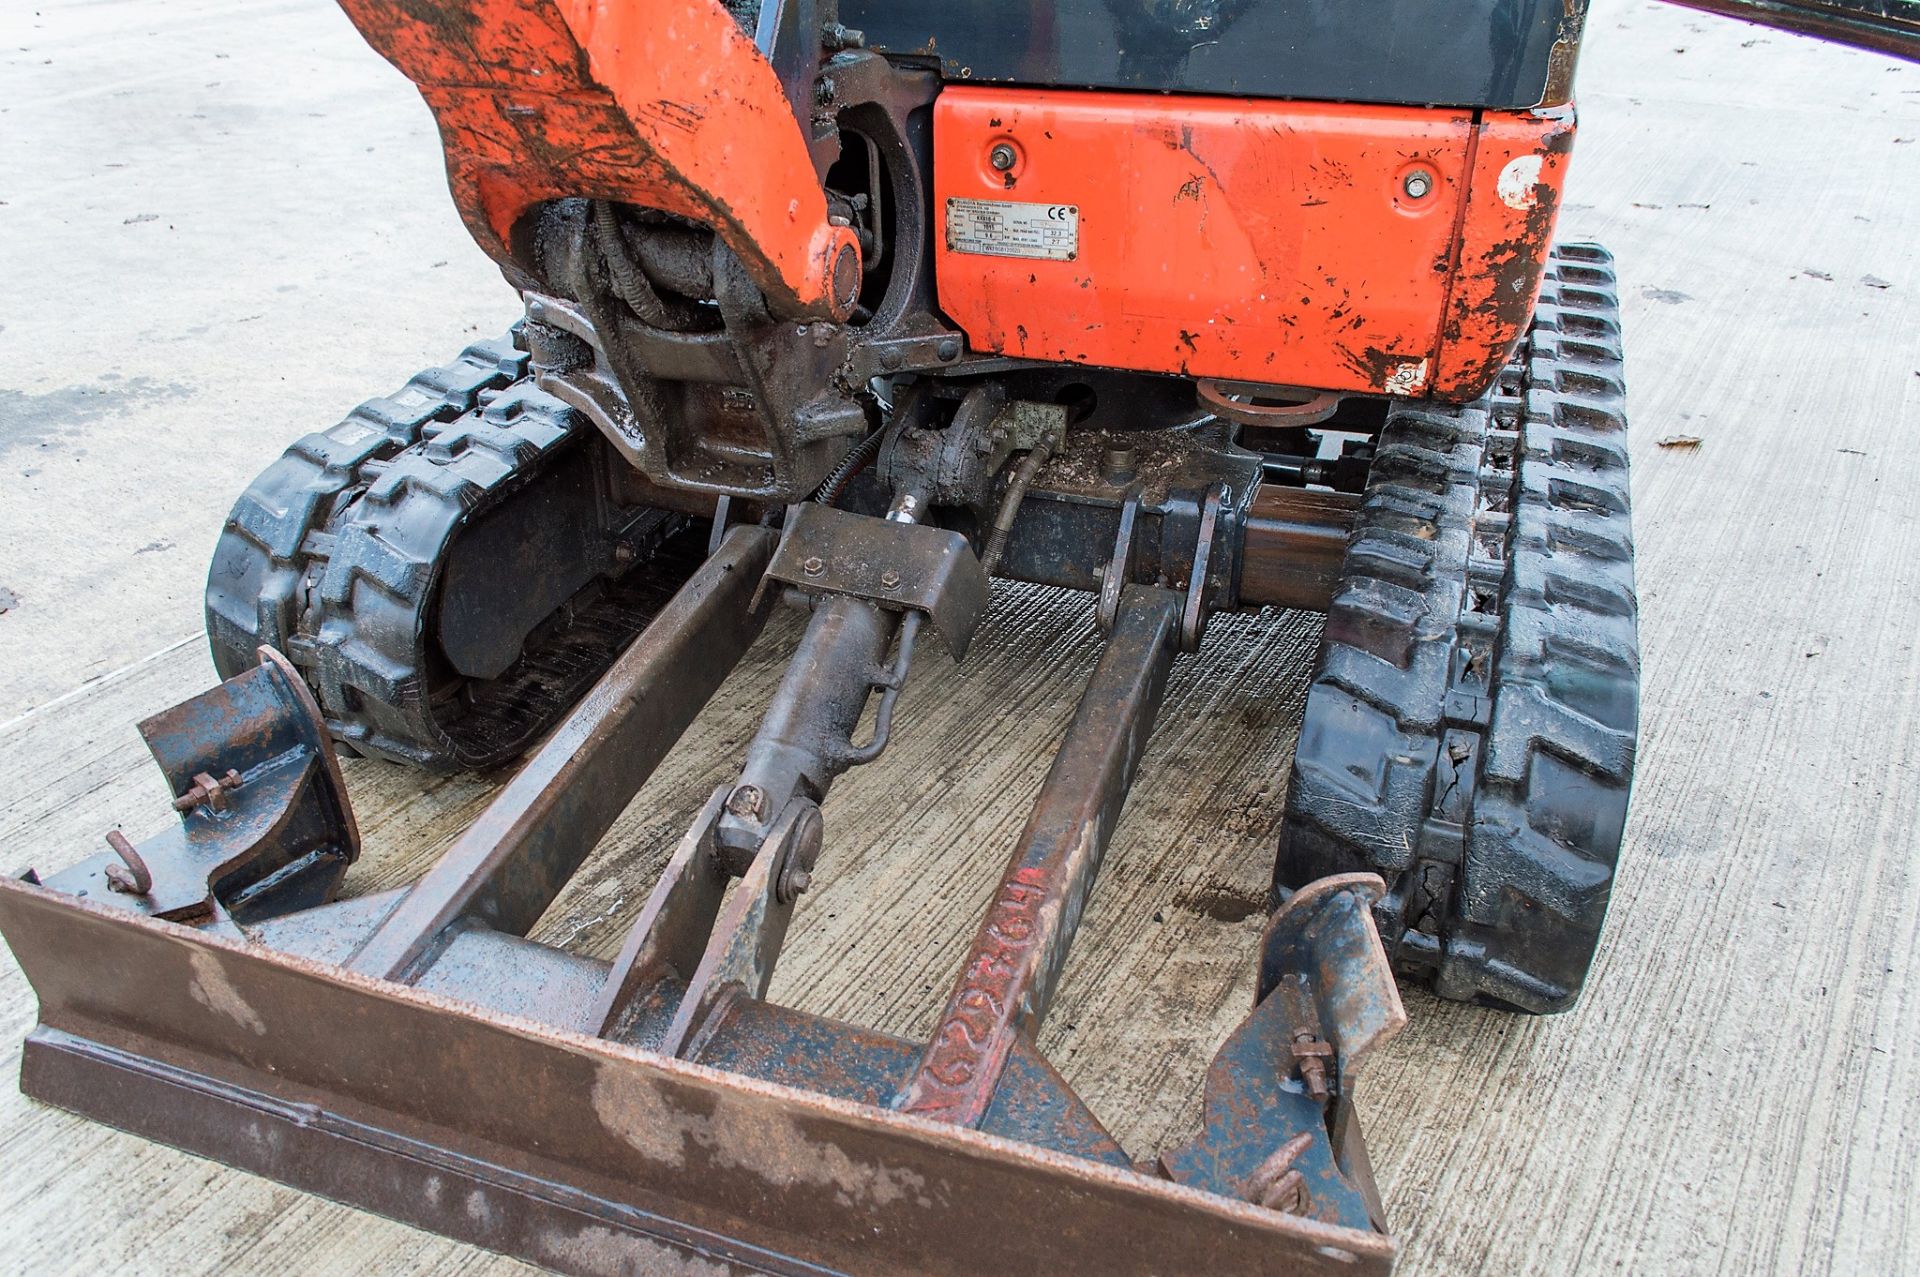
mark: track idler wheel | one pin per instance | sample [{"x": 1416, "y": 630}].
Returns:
[{"x": 442, "y": 566}]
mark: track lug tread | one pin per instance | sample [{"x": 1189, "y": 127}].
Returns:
[
  {"x": 1539, "y": 473},
  {"x": 333, "y": 553}
]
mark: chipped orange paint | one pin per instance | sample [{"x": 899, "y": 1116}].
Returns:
[
  {"x": 665, "y": 104},
  {"x": 1513, "y": 201},
  {"x": 1257, "y": 241}
]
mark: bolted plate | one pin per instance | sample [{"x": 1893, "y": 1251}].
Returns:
[{"x": 905, "y": 566}]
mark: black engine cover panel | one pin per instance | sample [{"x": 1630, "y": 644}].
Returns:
[{"x": 1501, "y": 54}]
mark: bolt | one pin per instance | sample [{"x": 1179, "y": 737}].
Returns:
[
  {"x": 1276, "y": 1185},
  {"x": 813, "y": 565},
  {"x": 1119, "y": 464},
  {"x": 623, "y": 552},
  {"x": 747, "y": 802},
  {"x": 801, "y": 852},
  {"x": 793, "y": 881},
  {"x": 890, "y": 579},
  {"x": 1311, "y": 1054},
  {"x": 132, "y": 877},
  {"x": 836, "y": 36},
  {"x": 948, "y": 349},
  {"x": 1002, "y": 156},
  {"x": 206, "y": 789},
  {"x": 1418, "y": 184}
]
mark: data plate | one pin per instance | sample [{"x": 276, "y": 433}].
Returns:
[{"x": 1003, "y": 228}]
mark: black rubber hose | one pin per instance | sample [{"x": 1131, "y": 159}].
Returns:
[
  {"x": 829, "y": 490},
  {"x": 630, "y": 284},
  {"x": 1010, "y": 504}
]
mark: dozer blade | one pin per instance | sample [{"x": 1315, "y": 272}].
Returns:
[
  {"x": 585, "y": 1155},
  {"x": 410, "y": 1052}
]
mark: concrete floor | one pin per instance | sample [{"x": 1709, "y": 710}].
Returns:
[{"x": 224, "y": 224}]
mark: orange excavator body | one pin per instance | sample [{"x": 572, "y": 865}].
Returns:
[{"x": 1372, "y": 249}]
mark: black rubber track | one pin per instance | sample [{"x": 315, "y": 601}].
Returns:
[
  {"x": 335, "y": 555},
  {"x": 1469, "y": 733}
]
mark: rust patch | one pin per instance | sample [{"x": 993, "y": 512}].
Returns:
[{"x": 1512, "y": 205}]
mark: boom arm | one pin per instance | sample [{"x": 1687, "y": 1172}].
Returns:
[
  {"x": 665, "y": 104},
  {"x": 1886, "y": 26}
]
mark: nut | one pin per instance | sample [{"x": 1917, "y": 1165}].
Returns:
[
  {"x": 209, "y": 789},
  {"x": 890, "y": 579},
  {"x": 801, "y": 852},
  {"x": 813, "y": 565}
]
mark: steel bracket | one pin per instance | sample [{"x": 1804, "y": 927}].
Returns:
[
  {"x": 1328, "y": 999},
  {"x": 264, "y": 824},
  {"x": 905, "y": 567}
]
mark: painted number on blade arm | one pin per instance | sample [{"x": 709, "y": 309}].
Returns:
[{"x": 1001, "y": 228}]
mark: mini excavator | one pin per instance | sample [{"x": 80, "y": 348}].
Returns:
[{"x": 1187, "y": 305}]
